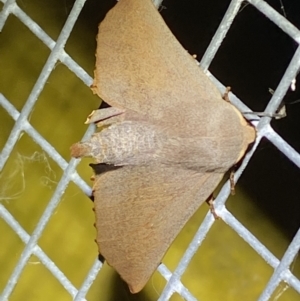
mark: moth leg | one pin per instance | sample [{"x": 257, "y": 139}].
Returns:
[
  {"x": 210, "y": 203},
  {"x": 232, "y": 184},
  {"x": 226, "y": 94},
  {"x": 102, "y": 115}
]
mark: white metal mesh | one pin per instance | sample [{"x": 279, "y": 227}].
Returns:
[{"x": 281, "y": 268}]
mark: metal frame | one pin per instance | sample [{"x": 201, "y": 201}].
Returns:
[{"x": 264, "y": 129}]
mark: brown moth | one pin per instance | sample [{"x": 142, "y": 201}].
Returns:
[{"x": 168, "y": 129}]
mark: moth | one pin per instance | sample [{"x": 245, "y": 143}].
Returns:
[{"x": 167, "y": 129}]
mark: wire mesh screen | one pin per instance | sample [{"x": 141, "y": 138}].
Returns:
[{"x": 69, "y": 170}]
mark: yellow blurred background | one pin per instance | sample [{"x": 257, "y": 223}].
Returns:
[{"x": 224, "y": 268}]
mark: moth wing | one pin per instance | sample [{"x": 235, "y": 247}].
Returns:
[
  {"x": 139, "y": 212},
  {"x": 141, "y": 66}
]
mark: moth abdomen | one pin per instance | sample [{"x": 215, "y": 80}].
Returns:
[{"x": 123, "y": 143}]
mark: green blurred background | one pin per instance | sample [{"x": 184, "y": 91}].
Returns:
[{"x": 224, "y": 268}]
